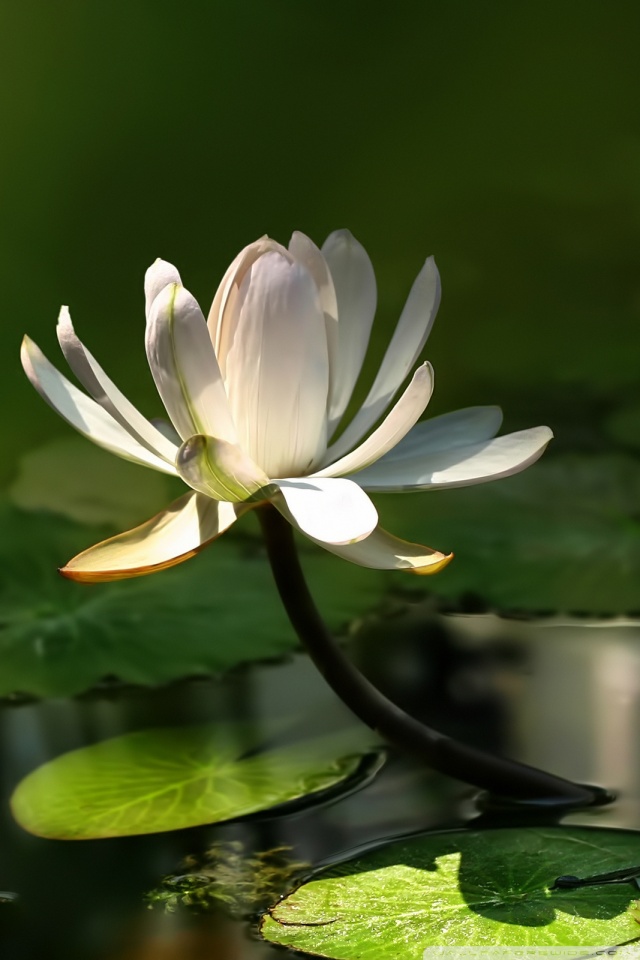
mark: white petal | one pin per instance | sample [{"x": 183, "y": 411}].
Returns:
[
  {"x": 382, "y": 551},
  {"x": 222, "y": 315},
  {"x": 356, "y": 293},
  {"x": 393, "y": 428},
  {"x": 179, "y": 532},
  {"x": 277, "y": 367},
  {"x": 83, "y": 413},
  {"x": 461, "y": 428},
  {"x": 459, "y": 467},
  {"x": 221, "y": 470},
  {"x": 306, "y": 252},
  {"x": 104, "y": 391},
  {"x": 159, "y": 275},
  {"x": 408, "y": 340},
  {"x": 330, "y": 511},
  {"x": 184, "y": 366}
]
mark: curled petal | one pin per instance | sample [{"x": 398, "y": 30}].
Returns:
[
  {"x": 333, "y": 511},
  {"x": 83, "y": 413},
  {"x": 174, "y": 535},
  {"x": 220, "y": 470},
  {"x": 408, "y": 340},
  {"x": 159, "y": 275},
  {"x": 104, "y": 391},
  {"x": 393, "y": 428},
  {"x": 382, "y": 551},
  {"x": 184, "y": 366},
  {"x": 356, "y": 292},
  {"x": 459, "y": 467}
]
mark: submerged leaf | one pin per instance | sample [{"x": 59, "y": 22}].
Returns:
[
  {"x": 153, "y": 781},
  {"x": 469, "y": 888}
]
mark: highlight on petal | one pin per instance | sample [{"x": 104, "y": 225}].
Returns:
[
  {"x": 382, "y": 551},
  {"x": 408, "y": 340},
  {"x": 333, "y": 511},
  {"x": 184, "y": 366},
  {"x": 459, "y": 467},
  {"x": 309, "y": 255},
  {"x": 460, "y": 428},
  {"x": 222, "y": 315},
  {"x": 393, "y": 428},
  {"x": 277, "y": 369},
  {"x": 357, "y": 295},
  {"x": 221, "y": 470},
  {"x": 179, "y": 532},
  {"x": 83, "y": 413},
  {"x": 159, "y": 275},
  {"x": 104, "y": 391}
]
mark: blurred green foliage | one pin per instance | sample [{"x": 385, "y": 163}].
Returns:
[{"x": 504, "y": 138}]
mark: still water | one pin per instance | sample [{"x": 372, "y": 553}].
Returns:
[{"x": 561, "y": 694}]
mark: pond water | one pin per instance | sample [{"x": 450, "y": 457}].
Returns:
[{"x": 561, "y": 694}]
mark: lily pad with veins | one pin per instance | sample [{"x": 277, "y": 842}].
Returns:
[{"x": 484, "y": 888}]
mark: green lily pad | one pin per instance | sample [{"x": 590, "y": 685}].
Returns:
[
  {"x": 76, "y": 479},
  {"x": 213, "y": 612},
  {"x": 488, "y": 888},
  {"x": 165, "y": 779},
  {"x": 564, "y": 536}
]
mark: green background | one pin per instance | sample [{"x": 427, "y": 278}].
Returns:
[{"x": 502, "y": 137}]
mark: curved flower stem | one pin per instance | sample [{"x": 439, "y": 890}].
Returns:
[{"x": 500, "y": 776}]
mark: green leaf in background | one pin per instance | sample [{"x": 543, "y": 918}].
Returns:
[
  {"x": 562, "y": 536},
  {"x": 483, "y": 888},
  {"x": 154, "y": 781},
  {"x": 76, "y": 479},
  {"x": 213, "y": 612}
]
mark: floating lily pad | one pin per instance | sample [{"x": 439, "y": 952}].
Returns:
[
  {"x": 167, "y": 779},
  {"x": 564, "y": 535},
  {"x": 485, "y": 888}
]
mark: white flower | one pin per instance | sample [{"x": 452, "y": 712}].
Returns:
[{"x": 257, "y": 395}]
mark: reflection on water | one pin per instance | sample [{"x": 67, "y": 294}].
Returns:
[{"x": 562, "y": 696}]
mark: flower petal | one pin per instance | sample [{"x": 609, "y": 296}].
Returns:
[
  {"x": 307, "y": 253},
  {"x": 329, "y": 510},
  {"x": 83, "y": 413},
  {"x": 356, "y": 293},
  {"x": 408, "y": 340},
  {"x": 277, "y": 369},
  {"x": 179, "y": 532},
  {"x": 220, "y": 470},
  {"x": 393, "y": 428},
  {"x": 459, "y": 467},
  {"x": 222, "y": 315},
  {"x": 382, "y": 551},
  {"x": 184, "y": 366},
  {"x": 159, "y": 275},
  {"x": 104, "y": 391},
  {"x": 460, "y": 428}
]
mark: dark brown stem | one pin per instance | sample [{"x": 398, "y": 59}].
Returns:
[{"x": 500, "y": 776}]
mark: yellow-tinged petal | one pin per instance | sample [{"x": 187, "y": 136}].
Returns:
[
  {"x": 382, "y": 551},
  {"x": 221, "y": 470},
  {"x": 187, "y": 526}
]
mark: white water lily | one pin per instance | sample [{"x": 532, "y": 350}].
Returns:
[{"x": 256, "y": 396}]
